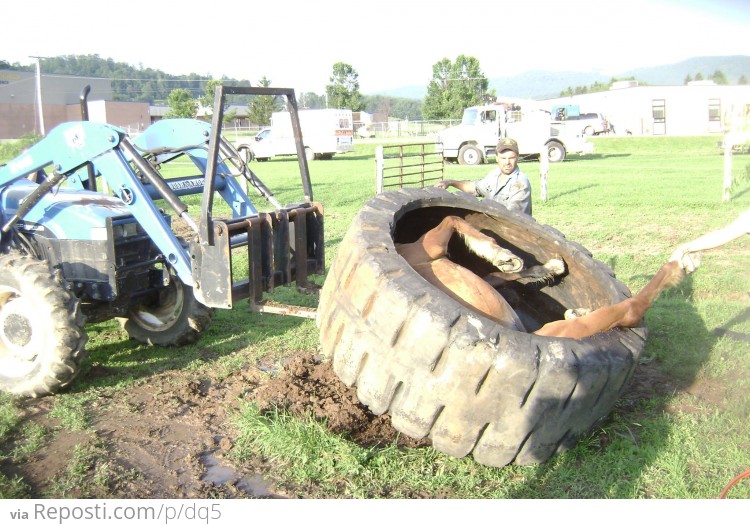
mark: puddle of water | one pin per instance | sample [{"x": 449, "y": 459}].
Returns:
[
  {"x": 218, "y": 473},
  {"x": 256, "y": 485}
]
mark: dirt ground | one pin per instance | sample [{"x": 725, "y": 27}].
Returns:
[{"x": 170, "y": 436}]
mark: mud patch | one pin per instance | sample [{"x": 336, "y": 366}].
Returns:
[{"x": 170, "y": 435}]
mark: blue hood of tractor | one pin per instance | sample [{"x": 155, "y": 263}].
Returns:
[{"x": 66, "y": 214}]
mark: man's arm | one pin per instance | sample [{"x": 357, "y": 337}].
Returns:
[
  {"x": 714, "y": 239},
  {"x": 468, "y": 186}
]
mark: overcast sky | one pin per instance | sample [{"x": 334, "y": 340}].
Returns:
[{"x": 390, "y": 43}]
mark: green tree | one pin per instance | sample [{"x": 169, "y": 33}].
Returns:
[
  {"x": 719, "y": 78},
  {"x": 435, "y": 105},
  {"x": 261, "y": 107},
  {"x": 312, "y": 101},
  {"x": 699, "y": 76},
  {"x": 343, "y": 90},
  {"x": 742, "y": 80},
  {"x": 398, "y": 107},
  {"x": 688, "y": 79},
  {"x": 181, "y": 104},
  {"x": 207, "y": 100},
  {"x": 454, "y": 87}
]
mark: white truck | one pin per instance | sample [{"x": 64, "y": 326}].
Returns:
[
  {"x": 474, "y": 140},
  {"x": 325, "y": 132},
  {"x": 571, "y": 117}
]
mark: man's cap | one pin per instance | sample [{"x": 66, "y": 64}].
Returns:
[{"x": 507, "y": 145}]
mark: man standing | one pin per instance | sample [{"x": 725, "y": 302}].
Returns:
[{"x": 505, "y": 184}]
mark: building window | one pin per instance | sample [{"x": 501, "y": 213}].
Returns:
[
  {"x": 659, "y": 113},
  {"x": 714, "y": 110},
  {"x": 714, "y": 115}
]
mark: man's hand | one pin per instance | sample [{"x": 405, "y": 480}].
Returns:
[{"x": 688, "y": 261}]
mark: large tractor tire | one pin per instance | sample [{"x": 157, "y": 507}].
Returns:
[
  {"x": 175, "y": 318},
  {"x": 42, "y": 341},
  {"x": 444, "y": 371}
]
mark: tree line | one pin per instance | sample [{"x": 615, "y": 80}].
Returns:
[
  {"x": 455, "y": 85},
  {"x": 183, "y": 93},
  {"x": 718, "y": 78}
]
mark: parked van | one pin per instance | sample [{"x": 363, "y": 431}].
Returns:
[{"x": 325, "y": 132}]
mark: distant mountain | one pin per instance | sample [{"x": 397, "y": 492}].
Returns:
[
  {"x": 733, "y": 68},
  {"x": 540, "y": 85}
]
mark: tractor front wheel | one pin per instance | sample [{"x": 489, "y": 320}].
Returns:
[
  {"x": 42, "y": 341},
  {"x": 174, "y": 318}
]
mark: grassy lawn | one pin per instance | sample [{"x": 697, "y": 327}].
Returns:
[{"x": 683, "y": 434}]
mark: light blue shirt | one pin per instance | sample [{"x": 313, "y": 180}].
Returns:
[{"x": 512, "y": 191}]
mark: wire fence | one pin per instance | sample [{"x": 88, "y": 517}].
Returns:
[
  {"x": 402, "y": 128},
  {"x": 364, "y": 130}
]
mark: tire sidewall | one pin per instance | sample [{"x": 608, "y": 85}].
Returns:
[{"x": 470, "y": 155}]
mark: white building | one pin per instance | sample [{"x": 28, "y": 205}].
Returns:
[{"x": 699, "y": 108}]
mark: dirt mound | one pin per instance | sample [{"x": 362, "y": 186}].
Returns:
[{"x": 308, "y": 386}]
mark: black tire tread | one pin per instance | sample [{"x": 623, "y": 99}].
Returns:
[{"x": 61, "y": 360}]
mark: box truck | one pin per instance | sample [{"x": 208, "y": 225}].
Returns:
[{"x": 325, "y": 132}]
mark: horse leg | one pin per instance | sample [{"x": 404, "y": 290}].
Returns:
[
  {"x": 535, "y": 274},
  {"x": 626, "y": 314},
  {"x": 428, "y": 256},
  {"x": 435, "y": 243}
]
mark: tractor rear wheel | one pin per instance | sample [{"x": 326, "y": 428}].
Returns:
[
  {"x": 175, "y": 318},
  {"x": 42, "y": 341},
  {"x": 443, "y": 371}
]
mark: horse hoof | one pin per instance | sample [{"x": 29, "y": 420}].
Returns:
[
  {"x": 575, "y": 313},
  {"x": 555, "y": 266},
  {"x": 508, "y": 264}
]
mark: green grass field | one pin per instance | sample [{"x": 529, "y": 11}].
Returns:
[{"x": 685, "y": 433}]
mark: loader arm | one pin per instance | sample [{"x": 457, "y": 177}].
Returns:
[{"x": 72, "y": 146}]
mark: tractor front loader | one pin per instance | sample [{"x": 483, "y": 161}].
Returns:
[{"x": 83, "y": 239}]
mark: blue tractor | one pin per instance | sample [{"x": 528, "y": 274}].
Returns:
[{"x": 90, "y": 230}]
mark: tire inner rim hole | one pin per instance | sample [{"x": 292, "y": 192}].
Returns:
[{"x": 17, "y": 330}]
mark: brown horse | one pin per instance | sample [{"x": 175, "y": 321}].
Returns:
[{"x": 429, "y": 257}]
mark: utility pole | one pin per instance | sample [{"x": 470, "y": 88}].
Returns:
[{"x": 40, "y": 111}]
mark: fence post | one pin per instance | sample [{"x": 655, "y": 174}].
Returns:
[
  {"x": 379, "y": 169},
  {"x": 543, "y": 170},
  {"x": 728, "y": 146}
]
